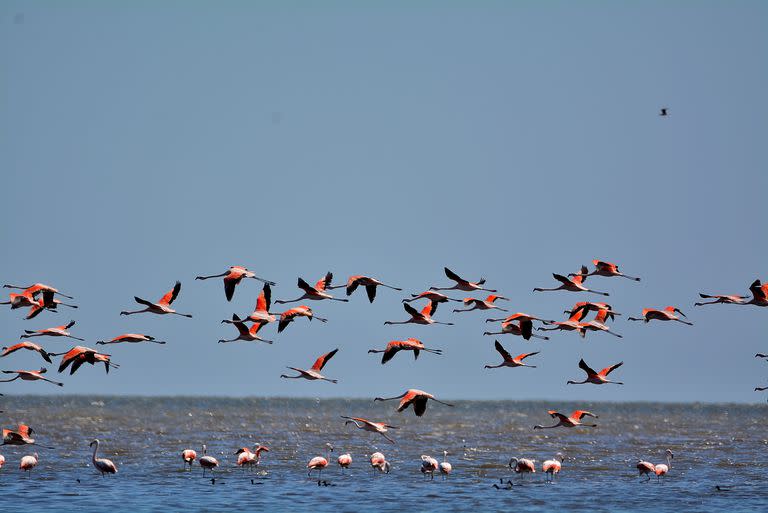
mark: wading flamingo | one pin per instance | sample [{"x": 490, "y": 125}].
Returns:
[
  {"x": 29, "y": 375},
  {"x": 316, "y": 293},
  {"x": 645, "y": 468},
  {"x": 131, "y": 338},
  {"x": 431, "y": 295},
  {"x": 233, "y": 277},
  {"x": 661, "y": 469},
  {"x": 575, "y": 284},
  {"x": 596, "y": 378},
  {"x": 319, "y": 462},
  {"x": 522, "y": 466},
  {"x": 344, "y": 461},
  {"x": 244, "y": 333},
  {"x": 423, "y": 317},
  {"x": 482, "y": 304},
  {"x": 57, "y": 331},
  {"x": 28, "y": 463},
  {"x": 429, "y": 466},
  {"x": 552, "y": 467},
  {"x": 162, "y": 307},
  {"x": 369, "y": 283},
  {"x": 410, "y": 344},
  {"x": 573, "y": 420},
  {"x": 29, "y": 346},
  {"x": 380, "y": 463},
  {"x": 208, "y": 462},
  {"x": 368, "y": 425},
  {"x": 508, "y": 361},
  {"x": 289, "y": 315},
  {"x": 103, "y": 465},
  {"x": 248, "y": 458},
  {"x": 188, "y": 456},
  {"x": 79, "y": 355},
  {"x": 667, "y": 314},
  {"x": 412, "y": 396},
  {"x": 445, "y": 467},
  {"x": 606, "y": 269},
  {"x": 462, "y": 284},
  {"x": 314, "y": 372}
]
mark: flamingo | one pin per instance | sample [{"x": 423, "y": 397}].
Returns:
[
  {"x": 760, "y": 389},
  {"x": 431, "y": 295},
  {"x": 522, "y": 466},
  {"x": 132, "y": 338},
  {"x": 758, "y": 355},
  {"x": 261, "y": 313},
  {"x": 314, "y": 372},
  {"x": 572, "y": 324},
  {"x": 596, "y": 378},
  {"x": 29, "y": 375},
  {"x": 606, "y": 269},
  {"x": 462, "y": 284},
  {"x": 598, "y": 324},
  {"x": 20, "y": 300},
  {"x": 423, "y": 317},
  {"x": 319, "y": 462},
  {"x": 29, "y": 346},
  {"x": 482, "y": 304},
  {"x": 246, "y": 457},
  {"x": 28, "y": 463},
  {"x": 523, "y": 327},
  {"x": 162, "y": 307},
  {"x": 47, "y": 302},
  {"x": 36, "y": 289},
  {"x": 667, "y": 314},
  {"x": 520, "y": 316},
  {"x": 731, "y": 299},
  {"x": 244, "y": 333},
  {"x": 410, "y": 344},
  {"x": 508, "y": 361},
  {"x": 415, "y": 397},
  {"x": 445, "y": 467},
  {"x": 429, "y": 465},
  {"x": 233, "y": 277},
  {"x": 584, "y": 307},
  {"x": 552, "y": 467},
  {"x": 2, "y": 461},
  {"x": 575, "y": 284},
  {"x": 298, "y": 311},
  {"x": 79, "y": 355},
  {"x": 57, "y": 331},
  {"x": 661, "y": 469},
  {"x": 369, "y": 283},
  {"x": 379, "y": 462},
  {"x": 188, "y": 456},
  {"x": 368, "y": 425},
  {"x": 22, "y": 436},
  {"x": 759, "y": 294},
  {"x": 573, "y": 420},
  {"x": 344, "y": 461},
  {"x": 103, "y": 465},
  {"x": 208, "y": 462},
  {"x": 316, "y": 293},
  {"x": 645, "y": 468}
]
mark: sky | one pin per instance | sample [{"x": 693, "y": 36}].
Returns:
[{"x": 147, "y": 142}]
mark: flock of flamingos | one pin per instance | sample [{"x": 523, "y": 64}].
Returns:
[{"x": 40, "y": 297}]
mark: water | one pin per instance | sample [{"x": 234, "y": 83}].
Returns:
[{"x": 713, "y": 445}]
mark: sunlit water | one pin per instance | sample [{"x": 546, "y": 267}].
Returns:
[{"x": 725, "y": 445}]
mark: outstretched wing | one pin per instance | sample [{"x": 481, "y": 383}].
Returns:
[
  {"x": 320, "y": 362},
  {"x": 229, "y": 288},
  {"x": 586, "y": 368},
  {"x": 171, "y": 295},
  {"x": 352, "y": 284},
  {"x": 526, "y": 328},
  {"x": 264, "y": 301},
  {"x": 562, "y": 279},
  {"x": 325, "y": 283},
  {"x": 431, "y": 308},
  {"x": 420, "y": 405},
  {"x": 610, "y": 369},
  {"x": 523, "y": 356},
  {"x": 453, "y": 276},
  {"x": 503, "y": 352},
  {"x": 411, "y": 310},
  {"x": 389, "y": 353},
  {"x": 306, "y": 287},
  {"x": 371, "y": 290},
  {"x": 579, "y": 414}
]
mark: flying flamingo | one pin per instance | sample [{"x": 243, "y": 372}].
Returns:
[
  {"x": 667, "y": 314},
  {"x": 47, "y": 302},
  {"x": 28, "y": 463},
  {"x": 22, "y": 436},
  {"x": 759, "y": 294},
  {"x": 314, "y": 372},
  {"x": 517, "y": 361},
  {"x": 244, "y": 333},
  {"x": 36, "y": 289},
  {"x": 316, "y": 293},
  {"x": 208, "y": 462},
  {"x": 162, "y": 307},
  {"x": 132, "y": 338},
  {"x": 523, "y": 327},
  {"x": 188, "y": 456},
  {"x": 233, "y": 277},
  {"x": 344, "y": 461},
  {"x": 412, "y": 396},
  {"x": 29, "y": 346},
  {"x": 429, "y": 465},
  {"x": 298, "y": 311},
  {"x": 482, "y": 304},
  {"x": 20, "y": 300},
  {"x": 58, "y": 331},
  {"x": 379, "y": 462},
  {"x": 761, "y": 355},
  {"x": 462, "y": 284},
  {"x": 431, "y": 295},
  {"x": 520, "y": 316},
  {"x": 103, "y": 465},
  {"x": 410, "y": 344},
  {"x": 760, "y": 389},
  {"x": 731, "y": 299},
  {"x": 552, "y": 467},
  {"x": 369, "y": 283},
  {"x": 572, "y": 421},
  {"x": 575, "y": 284},
  {"x": 584, "y": 307},
  {"x": 368, "y": 425},
  {"x": 522, "y": 466},
  {"x": 604, "y": 269},
  {"x": 572, "y": 324},
  {"x": 319, "y": 463},
  {"x": 423, "y": 317},
  {"x": 596, "y": 378},
  {"x": 598, "y": 324},
  {"x": 445, "y": 467},
  {"x": 29, "y": 375},
  {"x": 79, "y": 355}
]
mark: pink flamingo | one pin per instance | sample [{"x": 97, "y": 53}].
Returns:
[
  {"x": 431, "y": 295},
  {"x": 575, "y": 284},
  {"x": 424, "y": 317},
  {"x": 596, "y": 378},
  {"x": 667, "y": 314},
  {"x": 508, "y": 361},
  {"x": 462, "y": 284},
  {"x": 415, "y": 397},
  {"x": 233, "y": 277},
  {"x": 103, "y": 465},
  {"x": 188, "y": 456},
  {"x": 57, "y": 331},
  {"x": 606, "y": 269},
  {"x": 245, "y": 333},
  {"x": 482, "y": 304},
  {"x": 314, "y": 372},
  {"x": 552, "y": 467},
  {"x": 162, "y": 307},
  {"x": 316, "y": 293},
  {"x": 369, "y": 283},
  {"x": 573, "y": 420},
  {"x": 368, "y": 425},
  {"x": 410, "y": 344}
]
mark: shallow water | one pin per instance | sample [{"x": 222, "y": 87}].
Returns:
[{"x": 713, "y": 445}]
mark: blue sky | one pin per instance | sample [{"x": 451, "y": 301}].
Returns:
[{"x": 141, "y": 143}]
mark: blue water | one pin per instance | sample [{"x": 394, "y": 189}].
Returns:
[{"x": 722, "y": 445}]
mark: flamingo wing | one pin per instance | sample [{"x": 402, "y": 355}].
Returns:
[
  {"x": 320, "y": 362},
  {"x": 371, "y": 291},
  {"x": 579, "y": 414},
  {"x": 503, "y": 352},
  {"x": 324, "y": 283},
  {"x": 523, "y": 356},
  {"x": 306, "y": 287},
  {"x": 453, "y": 276},
  {"x": 264, "y": 301},
  {"x": 171, "y": 295},
  {"x": 229, "y": 287},
  {"x": 526, "y": 328},
  {"x": 390, "y": 352},
  {"x": 420, "y": 405},
  {"x": 586, "y": 368},
  {"x": 610, "y": 369},
  {"x": 352, "y": 284},
  {"x": 411, "y": 310},
  {"x": 431, "y": 308},
  {"x": 562, "y": 279}
]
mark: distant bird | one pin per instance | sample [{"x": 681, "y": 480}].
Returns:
[
  {"x": 21, "y": 436},
  {"x": 523, "y": 327},
  {"x": 429, "y": 466},
  {"x": 573, "y": 420},
  {"x": 298, "y": 311},
  {"x": 412, "y": 396},
  {"x": 103, "y": 465},
  {"x": 29, "y": 346},
  {"x": 760, "y": 389},
  {"x": 508, "y": 361},
  {"x": 761, "y": 355},
  {"x": 57, "y": 331},
  {"x": 188, "y": 456},
  {"x": 759, "y": 294},
  {"x": 314, "y": 372},
  {"x": 661, "y": 469},
  {"x": 344, "y": 461},
  {"x": 423, "y": 317},
  {"x": 462, "y": 284},
  {"x": 368, "y": 425},
  {"x": 208, "y": 462},
  {"x": 483, "y": 304},
  {"x": 28, "y": 463},
  {"x": 552, "y": 467},
  {"x": 233, "y": 277},
  {"x": 732, "y": 299},
  {"x": 575, "y": 284},
  {"x": 316, "y": 293},
  {"x": 380, "y": 463},
  {"x": 667, "y": 314},
  {"x": 369, "y": 283},
  {"x": 131, "y": 338},
  {"x": 162, "y": 307},
  {"x": 319, "y": 462},
  {"x": 29, "y": 375},
  {"x": 261, "y": 313},
  {"x": 606, "y": 269},
  {"x": 410, "y": 344},
  {"x": 596, "y": 378},
  {"x": 445, "y": 467},
  {"x": 664, "y": 111},
  {"x": 598, "y": 324},
  {"x": 37, "y": 288},
  {"x": 522, "y": 466},
  {"x": 244, "y": 333},
  {"x": 431, "y": 295},
  {"x": 79, "y": 355}
]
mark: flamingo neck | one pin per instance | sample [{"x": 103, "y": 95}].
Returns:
[{"x": 95, "y": 450}]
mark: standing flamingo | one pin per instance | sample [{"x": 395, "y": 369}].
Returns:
[
  {"x": 573, "y": 420},
  {"x": 410, "y": 344},
  {"x": 482, "y": 304},
  {"x": 552, "y": 467},
  {"x": 233, "y": 277},
  {"x": 289, "y": 315},
  {"x": 103, "y": 465},
  {"x": 57, "y": 331},
  {"x": 645, "y": 468},
  {"x": 316, "y": 293},
  {"x": 188, "y": 456},
  {"x": 415, "y": 397},
  {"x": 319, "y": 462},
  {"x": 162, "y": 307},
  {"x": 369, "y": 283},
  {"x": 606, "y": 269},
  {"x": 423, "y": 317},
  {"x": 429, "y": 465},
  {"x": 667, "y": 314},
  {"x": 29, "y": 346},
  {"x": 596, "y": 378},
  {"x": 508, "y": 361},
  {"x": 244, "y": 333},
  {"x": 131, "y": 338},
  {"x": 2, "y": 461},
  {"x": 314, "y": 372},
  {"x": 380, "y": 463},
  {"x": 522, "y": 466},
  {"x": 28, "y": 463},
  {"x": 248, "y": 458},
  {"x": 344, "y": 461},
  {"x": 462, "y": 284},
  {"x": 29, "y": 375},
  {"x": 431, "y": 295},
  {"x": 445, "y": 467},
  {"x": 208, "y": 462},
  {"x": 368, "y": 425},
  {"x": 759, "y": 294},
  {"x": 661, "y": 469},
  {"x": 575, "y": 284}
]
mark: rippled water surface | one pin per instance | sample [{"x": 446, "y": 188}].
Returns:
[{"x": 725, "y": 445}]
